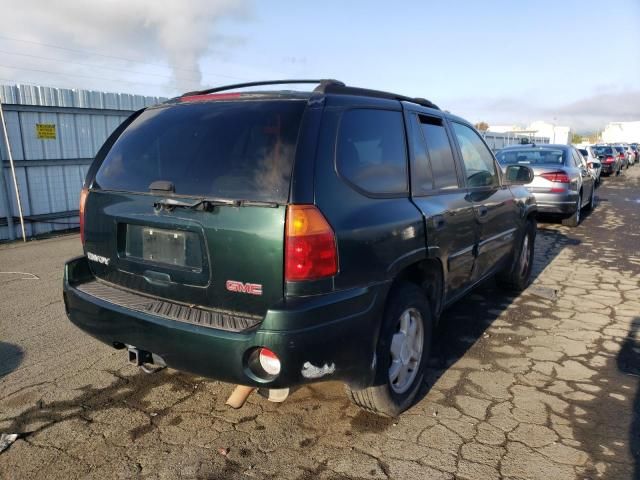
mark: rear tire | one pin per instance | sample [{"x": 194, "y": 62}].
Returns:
[
  {"x": 574, "y": 220},
  {"x": 592, "y": 200},
  {"x": 401, "y": 356},
  {"x": 517, "y": 274}
]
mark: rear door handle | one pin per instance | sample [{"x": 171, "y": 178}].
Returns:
[{"x": 482, "y": 211}]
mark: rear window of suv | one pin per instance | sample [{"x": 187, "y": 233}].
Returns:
[{"x": 237, "y": 150}]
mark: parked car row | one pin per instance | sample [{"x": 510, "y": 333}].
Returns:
[
  {"x": 276, "y": 238},
  {"x": 614, "y": 157}
]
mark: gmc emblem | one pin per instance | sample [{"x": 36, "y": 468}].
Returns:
[{"x": 250, "y": 288}]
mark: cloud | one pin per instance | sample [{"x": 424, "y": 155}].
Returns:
[
  {"x": 585, "y": 114},
  {"x": 178, "y": 33}
]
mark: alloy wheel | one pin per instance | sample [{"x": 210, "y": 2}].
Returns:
[
  {"x": 407, "y": 345},
  {"x": 525, "y": 256}
]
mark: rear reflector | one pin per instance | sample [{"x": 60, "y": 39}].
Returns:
[
  {"x": 269, "y": 361},
  {"x": 310, "y": 245},
  {"x": 83, "y": 199},
  {"x": 558, "y": 177}
]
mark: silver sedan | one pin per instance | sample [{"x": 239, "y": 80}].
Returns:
[{"x": 562, "y": 183}]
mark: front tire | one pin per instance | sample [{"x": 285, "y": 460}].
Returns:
[
  {"x": 517, "y": 274},
  {"x": 403, "y": 350}
]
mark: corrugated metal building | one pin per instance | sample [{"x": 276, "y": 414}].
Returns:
[{"x": 54, "y": 135}]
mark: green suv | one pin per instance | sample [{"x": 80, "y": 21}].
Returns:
[{"x": 276, "y": 238}]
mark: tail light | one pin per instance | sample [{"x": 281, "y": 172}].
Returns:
[
  {"x": 557, "y": 177},
  {"x": 83, "y": 199},
  {"x": 609, "y": 159},
  {"x": 310, "y": 245}
]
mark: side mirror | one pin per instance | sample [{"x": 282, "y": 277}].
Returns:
[{"x": 519, "y": 174}]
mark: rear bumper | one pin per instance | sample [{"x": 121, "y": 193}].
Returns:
[
  {"x": 557, "y": 203},
  {"x": 338, "y": 330},
  {"x": 609, "y": 168}
]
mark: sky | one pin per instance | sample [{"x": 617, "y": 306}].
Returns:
[{"x": 569, "y": 62}]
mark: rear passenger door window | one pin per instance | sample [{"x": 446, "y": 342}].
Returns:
[
  {"x": 435, "y": 168},
  {"x": 371, "y": 153},
  {"x": 478, "y": 161}
]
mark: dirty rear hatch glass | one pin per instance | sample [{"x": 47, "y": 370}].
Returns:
[
  {"x": 237, "y": 150},
  {"x": 224, "y": 256}
]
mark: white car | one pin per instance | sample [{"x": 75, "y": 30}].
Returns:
[
  {"x": 593, "y": 163},
  {"x": 633, "y": 155}
]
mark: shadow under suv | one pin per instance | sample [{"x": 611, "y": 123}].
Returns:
[{"x": 277, "y": 238}]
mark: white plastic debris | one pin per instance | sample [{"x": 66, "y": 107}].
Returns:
[
  {"x": 6, "y": 439},
  {"x": 311, "y": 371},
  {"x": 543, "y": 292}
]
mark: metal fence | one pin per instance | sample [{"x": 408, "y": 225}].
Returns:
[
  {"x": 496, "y": 141},
  {"x": 54, "y": 135}
]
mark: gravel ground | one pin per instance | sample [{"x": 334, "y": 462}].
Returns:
[{"x": 543, "y": 385}]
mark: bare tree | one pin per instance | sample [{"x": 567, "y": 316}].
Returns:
[{"x": 482, "y": 126}]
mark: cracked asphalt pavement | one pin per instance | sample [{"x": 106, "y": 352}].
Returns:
[{"x": 542, "y": 385}]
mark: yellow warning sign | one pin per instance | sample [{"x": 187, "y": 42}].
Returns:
[{"x": 46, "y": 131}]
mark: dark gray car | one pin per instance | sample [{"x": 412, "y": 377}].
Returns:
[
  {"x": 562, "y": 183},
  {"x": 611, "y": 164}
]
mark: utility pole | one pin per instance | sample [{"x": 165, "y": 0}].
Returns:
[{"x": 13, "y": 173}]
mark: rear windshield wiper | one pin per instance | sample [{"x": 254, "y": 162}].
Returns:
[
  {"x": 208, "y": 203},
  {"x": 204, "y": 203}
]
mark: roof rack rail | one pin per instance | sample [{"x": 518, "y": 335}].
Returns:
[
  {"x": 322, "y": 83},
  {"x": 327, "y": 85},
  {"x": 343, "y": 89}
]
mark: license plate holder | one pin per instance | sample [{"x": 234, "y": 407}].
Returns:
[{"x": 164, "y": 246}]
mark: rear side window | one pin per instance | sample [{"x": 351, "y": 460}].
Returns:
[
  {"x": 478, "y": 160},
  {"x": 577, "y": 158},
  {"x": 421, "y": 176},
  {"x": 371, "y": 151},
  {"x": 237, "y": 150},
  {"x": 443, "y": 166}
]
